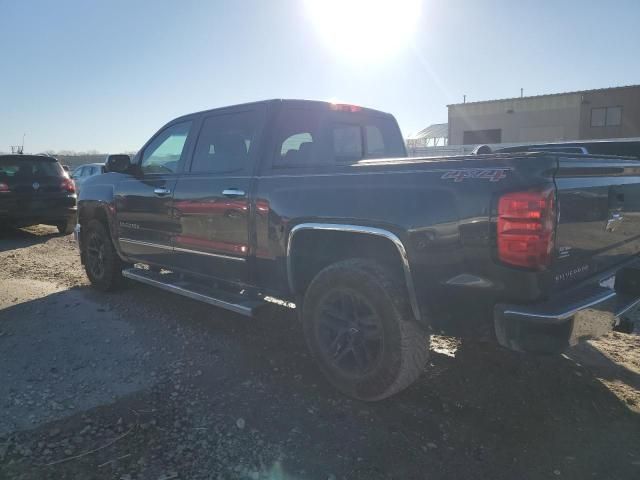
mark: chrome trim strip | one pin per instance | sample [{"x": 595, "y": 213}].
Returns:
[
  {"x": 337, "y": 227},
  {"x": 218, "y": 255},
  {"x": 241, "y": 309},
  {"x": 179, "y": 249},
  {"x": 567, "y": 313},
  {"x": 626, "y": 308},
  {"x": 145, "y": 244}
]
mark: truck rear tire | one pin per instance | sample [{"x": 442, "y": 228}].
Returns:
[
  {"x": 101, "y": 261},
  {"x": 359, "y": 328}
]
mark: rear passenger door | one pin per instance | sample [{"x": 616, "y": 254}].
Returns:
[{"x": 212, "y": 204}]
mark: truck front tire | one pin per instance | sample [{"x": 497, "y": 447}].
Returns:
[
  {"x": 102, "y": 263},
  {"x": 359, "y": 328}
]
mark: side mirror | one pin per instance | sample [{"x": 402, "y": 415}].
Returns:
[{"x": 120, "y": 163}]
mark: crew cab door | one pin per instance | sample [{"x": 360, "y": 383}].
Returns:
[
  {"x": 143, "y": 201},
  {"x": 212, "y": 204}
]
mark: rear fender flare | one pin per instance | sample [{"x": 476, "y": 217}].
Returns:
[{"x": 363, "y": 230}]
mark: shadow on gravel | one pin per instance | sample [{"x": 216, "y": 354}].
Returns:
[
  {"x": 603, "y": 366},
  {"x": 12, "y": 238},
  {"x": 488, "y": 413},
  {"x": 242, "y": 399},
  {"x": 62, "y": 354}
]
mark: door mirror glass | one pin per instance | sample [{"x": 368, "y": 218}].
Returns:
[{"x": 120, "y": 163}]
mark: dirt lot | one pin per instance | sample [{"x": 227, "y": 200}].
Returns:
[{"x": 145, "y": 385}]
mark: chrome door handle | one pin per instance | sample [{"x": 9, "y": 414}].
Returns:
[
  {"x": 161, "y": 191},
  {"x": 233, "y": 192}
]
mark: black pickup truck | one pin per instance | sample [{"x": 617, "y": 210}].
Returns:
[{"x": 315, "y": 207}]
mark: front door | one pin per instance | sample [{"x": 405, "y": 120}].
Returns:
[
  {"x": 212, "y": 198},
  {"x": 143, "y": 201}
]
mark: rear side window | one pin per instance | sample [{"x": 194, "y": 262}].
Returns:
[
  {"x": 294, "y": 142},
  {"x": 22, "y": 168},
  {"x": 298, "y": 138},
  {"x": 317, "y": 137},
  {"x": 225, "y": 141}
]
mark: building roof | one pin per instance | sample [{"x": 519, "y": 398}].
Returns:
[
  {"x": 544, "y": 95},
  {"x": 437, "y": 130}
]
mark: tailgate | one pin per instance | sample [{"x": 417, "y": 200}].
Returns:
[{"x": 599, "y": 215}]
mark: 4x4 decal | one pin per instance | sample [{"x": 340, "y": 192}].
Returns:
[{"x": 491, "y": 174}]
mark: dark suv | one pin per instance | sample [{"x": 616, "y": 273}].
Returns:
[{"x": 35, "y": 189}]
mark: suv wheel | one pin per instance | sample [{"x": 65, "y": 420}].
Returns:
[
  {"x": 359, "y": 328},
  {"x": 65, "y": 227},
  {"x": 102, "y": 264}
]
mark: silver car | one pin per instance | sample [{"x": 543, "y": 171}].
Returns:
[{"x": 83, "y": 172}]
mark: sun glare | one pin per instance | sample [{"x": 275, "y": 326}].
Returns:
[{"x": 365, "y": 30}]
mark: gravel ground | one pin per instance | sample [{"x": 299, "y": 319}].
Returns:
[{"x": 141, "y": 384}]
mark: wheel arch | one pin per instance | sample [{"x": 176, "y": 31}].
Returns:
[
  {"x": 101, "y": 211},
  {"x": 372, "y": 239}
]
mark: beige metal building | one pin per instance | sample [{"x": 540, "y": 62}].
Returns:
[{"x": 589, "y": 114}]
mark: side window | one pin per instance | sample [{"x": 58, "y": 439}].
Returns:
[
  {"x": 347, "y": 142},
  {"x": 164, "y": 152},
  {"x": 225, "y": 143},
  {"x": 298, "y": 139},
  {"x": 294, "y": 142}
]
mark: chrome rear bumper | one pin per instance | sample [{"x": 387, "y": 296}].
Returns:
[{"x": 552, "y": 326}]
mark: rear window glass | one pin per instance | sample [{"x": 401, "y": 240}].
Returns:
[
  {"x": 347, "y": 142},
  {"x": 375, "y": 137},
  {"x": 17, "y": 168}
]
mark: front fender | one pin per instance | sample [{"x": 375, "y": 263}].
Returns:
[{"x": 97, "y": 202}]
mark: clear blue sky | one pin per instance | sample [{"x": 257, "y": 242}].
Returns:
[{"x": 105, "y": 75}]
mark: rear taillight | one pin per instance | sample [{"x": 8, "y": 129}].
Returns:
[
  {"x": 68, "y": 185},
  {"x": 526, "y": 223},
  {"x": 4, "y": 188}
]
